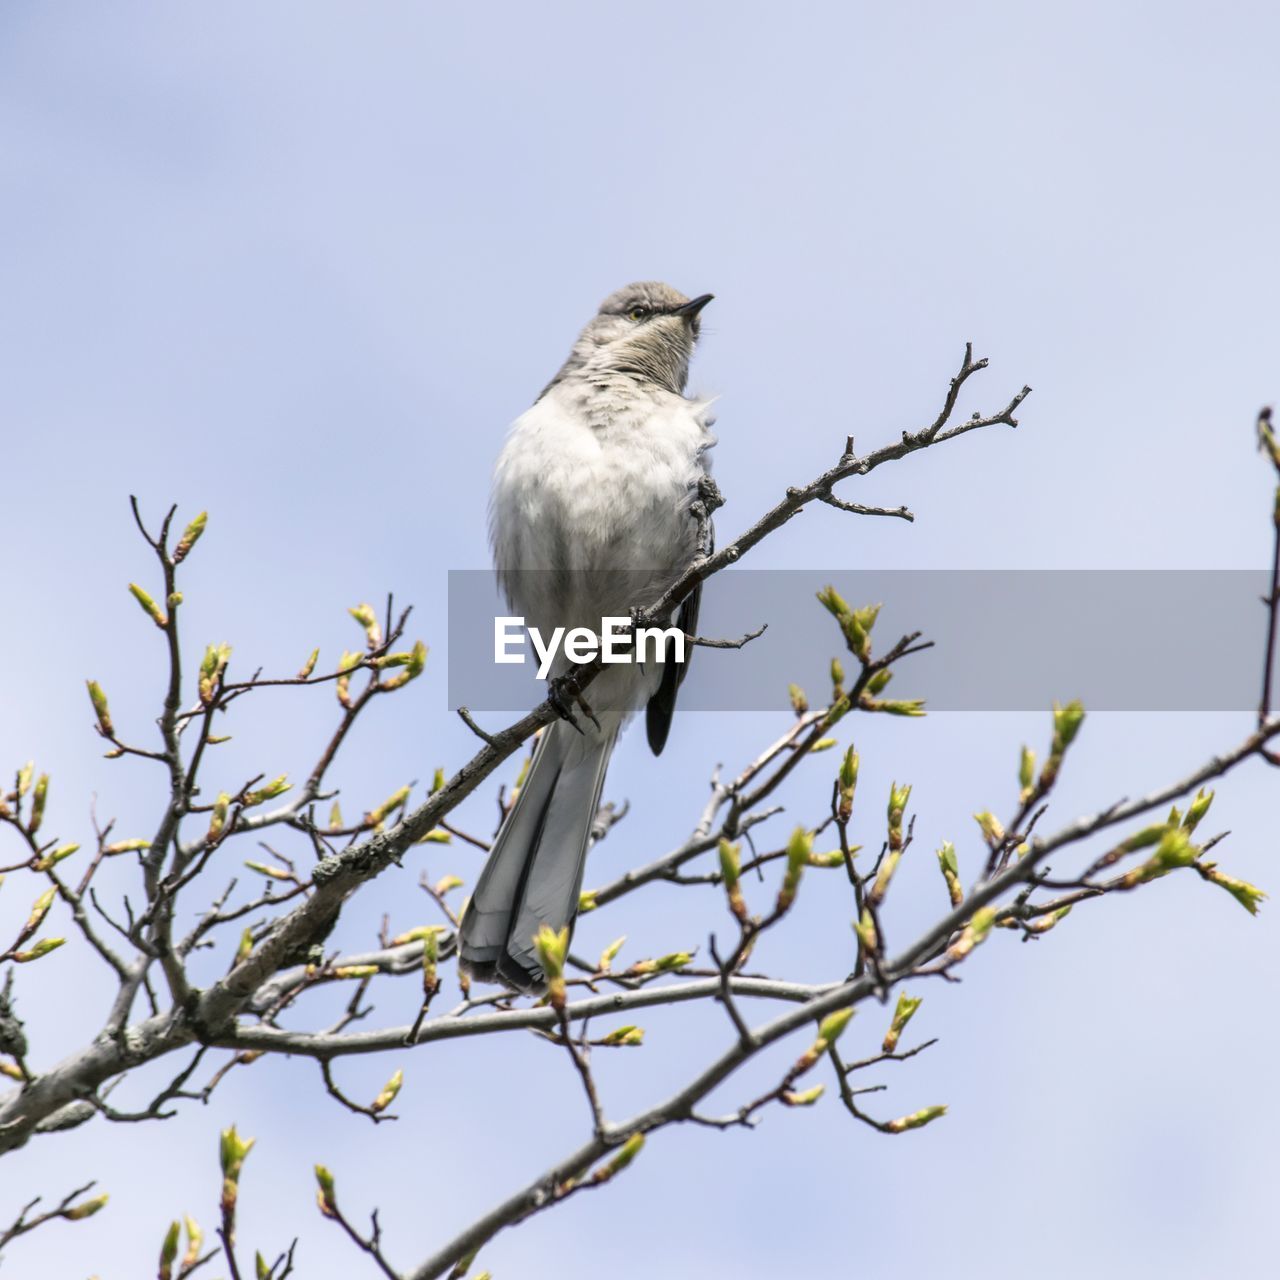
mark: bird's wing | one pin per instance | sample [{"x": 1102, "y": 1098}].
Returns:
[{"x": 662, "y": 706}]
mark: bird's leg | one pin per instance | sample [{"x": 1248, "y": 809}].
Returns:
[
  {"x": 562, "y": 695},
  {"x": 710, "y": 493},
  {"x": 708, "y": 501},
  {"x": 558, "y": 694}
]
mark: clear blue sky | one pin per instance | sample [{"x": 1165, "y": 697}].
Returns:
[{"x": 300, "y": 264}]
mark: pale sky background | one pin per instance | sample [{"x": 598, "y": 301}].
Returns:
[{"x": 300, "y": 264}]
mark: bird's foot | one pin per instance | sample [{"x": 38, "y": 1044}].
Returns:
[
  {"x": 564, "y": 696},
  {"x": 709, "y": 494}
]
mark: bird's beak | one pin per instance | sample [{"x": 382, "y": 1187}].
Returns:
[{"x": 691, "y": 309}]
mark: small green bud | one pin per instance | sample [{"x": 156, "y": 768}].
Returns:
[
  {"x": 418, "y": 934},
  {"x": 42, "y": 948},
  {"x": 1175, "y": 849},
  {"x": 365, "y": 616},
  {"x": 195, "y": 1238},
  {"x": 836, "y": 711},
  {"x": 832, "y": 858},
  {"x": 905, "y": 1011},
  {"x": 39, "y": 797},
  {"x": 346, "y": 664},
  {"x": 731, "y": 874},
  {"x": 430, "y": 959},
  {"x": 974, "y": 933},
  {"x": 799, "y": 847},
  {"x": 992, "y": 829},
  {"x": 1144, "y": 838},
  {"x": 273, "y": 873},
  {"x": 805, "y": 1098},
  {"x": 304, "y": 671},
  {"x": 867, "y": 615},
  {"x": 950, "y": 868},
  {"x": 876, "y": 685},
  {"x": 136, "y": 845},
  {"x": 1197, "y": 809},
  {"x": 1046, "y": 922},
  {"x": 799, "y": 703},
  {"x": 626, "y": 1154},
  {"x": 148, "y": 605},
  {"x": 1026, "y": 773},
  {"x": 218, "y": 820},
  {"x": 85, "y": 1209},
  {"x": 396, "y": 800},
  {"x": 276, "y": 787},
  {"x": 833, "y": 602},
  {"x": 1066, "y": 724},
  {"x": 898, "y": 797},
  {"x": 1249, "y": 896},
  {"x": 190, "y": 536},
  {"x": 39, "y": 909},
  {"x": 906, "y": 707},
  {"x": 624, "y": 1037},
  {"x": 552, "y": 947},
  {"x": 100, "y": 708},
  {"x": 865, "y": 928},
  {"x": 388, "y": 1094},
  {"x": 916, "y": 1120},
  {"x": 326, "y": 1196},
  {"x": 232, "y": 1150},
  {"x": 414, "y": 662},
  {"x": 831, "y": 1028},
  {"x": 848, "y": 782},
  {"x": 610, "y": 954},
  {"x": 212, "y": 667},
  {"x": 52, "y": 859},
  {"x": 730, "y": 863},
  {"x": 169, "y": 1250}
]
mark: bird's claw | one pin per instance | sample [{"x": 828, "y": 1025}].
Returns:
[
  {"x": 559, "y": 696},
  {"x": 709, "y": 492},
  {"x": 563, "y": 697}
]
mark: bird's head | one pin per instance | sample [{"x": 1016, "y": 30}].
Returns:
[{"x": 647, "y": 330}]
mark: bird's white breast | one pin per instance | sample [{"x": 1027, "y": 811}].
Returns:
[{"x": 599, "y": 476}]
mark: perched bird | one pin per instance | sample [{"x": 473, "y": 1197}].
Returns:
[{"x": 589, "y": 517}]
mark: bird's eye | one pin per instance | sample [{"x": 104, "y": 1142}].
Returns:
[{"x": 639, "y": 313}]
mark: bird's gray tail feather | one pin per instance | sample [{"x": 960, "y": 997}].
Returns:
[{"x": 533, "y": 876}]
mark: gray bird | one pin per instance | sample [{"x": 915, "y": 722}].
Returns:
[{"x": 589, "y": 517}]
